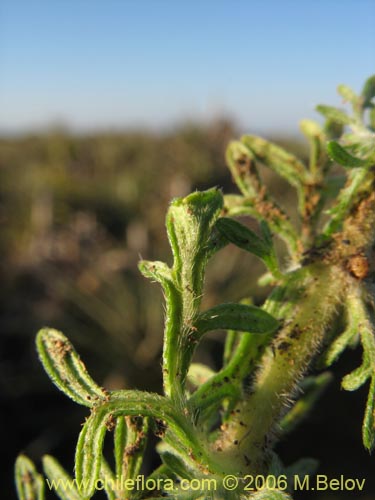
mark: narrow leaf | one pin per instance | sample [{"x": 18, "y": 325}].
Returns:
[
  {"x": 341, "y": 156},
  {"x": 310, "y": 128},
  {"x": 276, "y": 158},
  {"x": 175, "y": 465},
  {"x": 88, "y": 460},
  {"x": 334, "y": 114},
  {"x": 340, "y": 344},
  {"x": 65, "y": 368},
  {"x": 356, "y": 378},
  {"x": 158, "y": 271},
  {"x": 239, "y": 317},
  {"x": 244, "y": 238},
  {"x": 59, "y": 480},
  {"x": 368, "y": 92},
  {"x": 199, "y": 374},
  {"x": 29, "y": 483},
  {"x": 368, "y": 428},
  {"x": 348, "y": 94},
  {"x": 119, "y": 444},
  {"x": 89, "y": 451},
  {"x": 241, "y": 236},
  {"x": 241, "y": 162},
  {"x": 109, "y": 480}
]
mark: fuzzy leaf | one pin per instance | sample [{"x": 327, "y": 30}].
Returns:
[
  {"x": 368, "y": 92},
  {"x": 158, "y": 271},
  {"x": 356, "y": 378},
  {"x": 135, "y": 403},
  {"x": 109, "y": 480},
  {"x": 340, "y": 344},
  {"x": 239, "y": 317},
  {"x": 276, "y": 158},
  {"x": 241, "y": 163},
  {"x": 29, "y": 483},
  {"x": 176, "y": 465},
  {"x": 334, "y": 114},
  {"x": 199, "y": 374},
  {"x": 65, "y": 368},
  {"x": 189, "y": 223},
  {"x": 368, "y": 428},
  {"x": 348, "y": 94},
  {"x": 341, "y": 156},
  {"x": 59, "y": 480},
  {"x": 310, "y": 128},
  {"x": 119, "y": 439}
]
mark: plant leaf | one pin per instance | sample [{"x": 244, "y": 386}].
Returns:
[
  {"x": 356, "y": 378},
  {"x": 59, "y": 480},
  {"x": 334, "y": 114},
  {"x": 65, "y": 368},
  {"x": 368, "y": 91},
  {"x": 239, "y": 317},
  {"x": 285, "y": 164},
  {"x": 348, "y": 94},
  {"x": 29, "y": 483},
  {"x": 180, "y": 433},
  {"x": 244, "y": 238},
  {"x": 199, "y": 374},
  {"x": 341, "y": 156},
  {"x": 368, "y": 427}
]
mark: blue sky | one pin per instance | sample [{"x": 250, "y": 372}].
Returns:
[{"x": 99, "y": 64}]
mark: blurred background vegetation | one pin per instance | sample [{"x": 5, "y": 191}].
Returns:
[{"x": 77, "y": 212}]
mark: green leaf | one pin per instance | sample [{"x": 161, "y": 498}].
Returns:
[
  {"x": 156, "y": 270},
  {"x": 119, "y": 439},
  {"x": 239, "y": 317},
  {"x": 368, "y": 91},
  {"x": 180, "y": 433},
  {"x": 109, "y": 480},
  {"x": 241, "y": 162},
  {"x": 334, "y": 114},
  {"x": 339, "y": 345},
  {"x": 244, "y": 238},
  {"x": 372, "y": 118},
  {"x": 310, "y": 128},
  {"x": 348, "y": 94},
  {"x": 341, "y": 156},
  {"x": 59, "y": 480},
  {"x": 189, "y": 224},
  {"x": 89, "y": 451},
  {"x": 276, "y": 158},
  {"x": 65, "y": 368},
  {"x": 368, "y": 428},
  {"x": 356, "y": 378},
  {"x": 175, "y": 465},
  {"x": 199, "y": 374},
  {"x": 29, "y": 483}
]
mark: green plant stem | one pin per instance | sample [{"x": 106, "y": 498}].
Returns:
[{"x": 248, "y": 437}]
